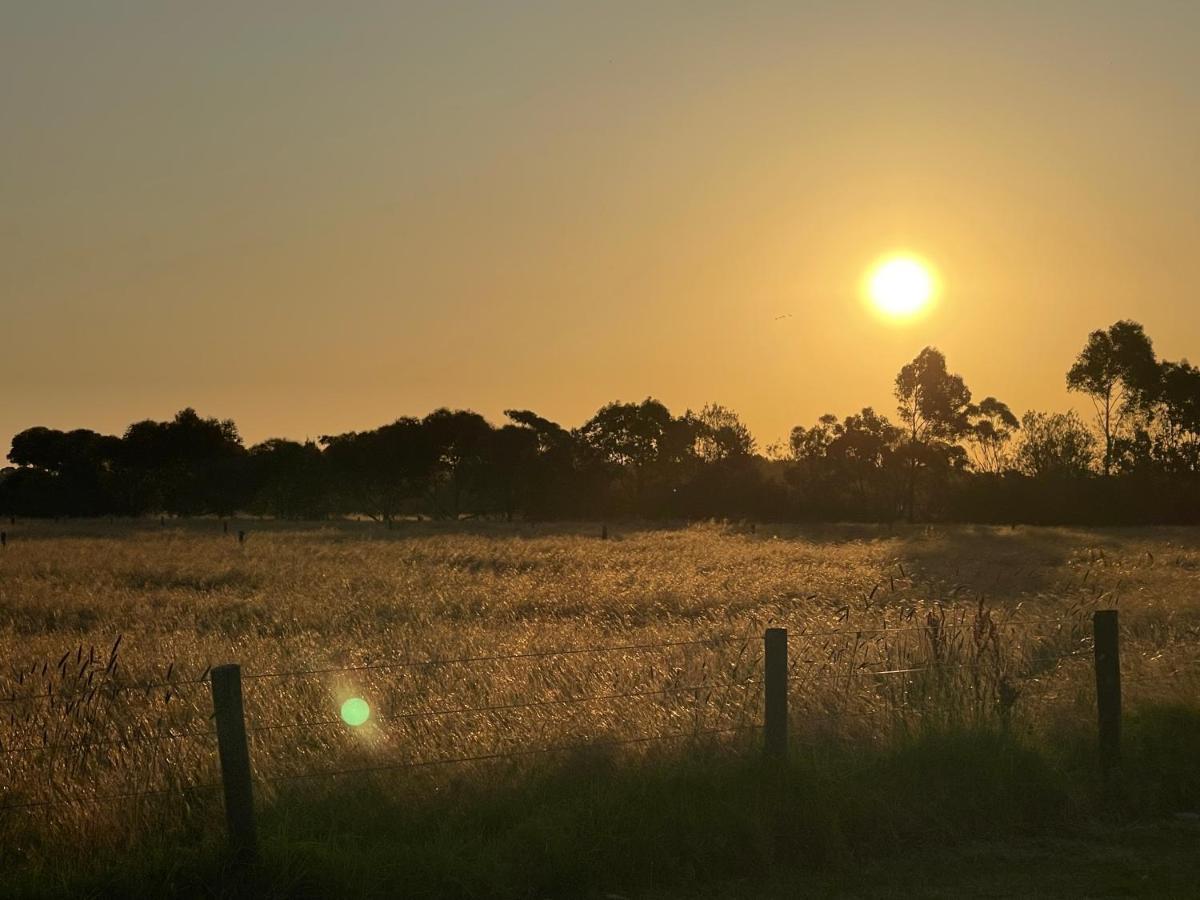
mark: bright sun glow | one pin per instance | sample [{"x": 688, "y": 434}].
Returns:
[{"x": 901, "y": 286}]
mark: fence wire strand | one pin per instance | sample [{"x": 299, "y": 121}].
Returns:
[
  {"x": 511, "y": 754},
  {"x": 448, "y": 661},
  {"x": 503, "y": 707},
  {"x": 109, "y": 688},
  {"x": 108, "y": 742},
  {"x": 935, "y": 667},
  {"x": 799, "y": 635},
  {"x": 107, "y": 798},
  {"x": 848, "y": 630}
]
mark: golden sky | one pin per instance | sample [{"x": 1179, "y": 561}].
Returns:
[{"x": 316, "y": 217}]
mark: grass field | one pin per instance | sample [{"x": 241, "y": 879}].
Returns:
[{"x": 941, "y": 689}]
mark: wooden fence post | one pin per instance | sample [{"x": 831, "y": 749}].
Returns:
[
  {"x": 235, "y": 762},
  {"x": 775, "y": 706},
  {"x": 1107, "y": 644}
]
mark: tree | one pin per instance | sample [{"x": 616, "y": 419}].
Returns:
[
  {"x": 460, "y": 440},
  {"x": 188, "y": 466},
  {"x": 1177, "y": 436},
  {"x": 862, "y": 451},
  {"x": 562, "y": 481},
  {"x": 289, "y": 479},
  {"x": 935, "y": 409},
  {"x": 633, "y": 435},
  {"x": 8, "y": 502},
  {"x": 642, "y": 439},
  {"x": 379, "y": 473},
  {"x": 812, "y": 443},
  {"x": 845, "y": 468},
  {"x": 720, "y": 434},
  {"x": 989, "y": 435},
  {"x": 511, "y": 467},
  {"x": 74, "y": 471},
  {"x": 33, "y": 492},
  {"x": 1118, "y": 371},
  {"x": 550, "y": 435},
  {"x": 1055, "y": 445}
]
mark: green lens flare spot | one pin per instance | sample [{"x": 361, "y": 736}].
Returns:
[{"x": 355, "y": 711}]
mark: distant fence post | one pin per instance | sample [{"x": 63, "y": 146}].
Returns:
[
  {"x": 1106, "y": 640},
  {"x": 775, "y": 706},
  {"x": 235, "y": 761},
  {"x": 3, "y": 538}
]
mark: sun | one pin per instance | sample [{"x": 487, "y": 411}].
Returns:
[{"x": 901, "y": 286}]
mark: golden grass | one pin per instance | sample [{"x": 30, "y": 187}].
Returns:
[{"x": 856, "y": 599}]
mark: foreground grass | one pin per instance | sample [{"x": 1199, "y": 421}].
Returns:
[
  {"x": 968, "y": 813},
  {"x": 1147, "y": 860},
  {"x": 976, "y": 753}
]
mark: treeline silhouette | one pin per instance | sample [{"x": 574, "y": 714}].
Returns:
[{"x": 944, "y": 457}]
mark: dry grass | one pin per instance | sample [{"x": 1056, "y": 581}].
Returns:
[{"x": 946, "y": 601}]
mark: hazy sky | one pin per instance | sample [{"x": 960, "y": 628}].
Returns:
[{"x": 316, "y": 217}]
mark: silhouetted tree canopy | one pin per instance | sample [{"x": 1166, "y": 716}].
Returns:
[
  {"x": 990, "y": 434},
  {"x": 945, "y": 457},
  {"x": 720, "y": 434},
  {"x": 289, "y": 480},
  {"x": 935, "y": 412},
  {"x": 1116, "y": 368},
  {"x": 1055, "y": 444},
  {"x": 1176, "y": 412}
]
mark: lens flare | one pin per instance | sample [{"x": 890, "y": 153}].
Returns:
[{"x": 355, "y": 711}]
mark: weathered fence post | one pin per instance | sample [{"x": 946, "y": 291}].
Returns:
[
  {"x": 235, "y": 761},
  {"x": 604, "y": 532},
  {"x": 775, "y": 705},
  {"x": 1107, "y": 643},
  {"x": 3, "y": 538},
  {"x": 241, "y": 537}
]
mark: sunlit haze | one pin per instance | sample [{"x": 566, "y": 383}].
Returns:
[{"x": 313, "y": 218}]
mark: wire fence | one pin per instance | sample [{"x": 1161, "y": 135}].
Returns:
[
  {"x": 978, "y": 660},
  {"x": 112, "y": 684}
]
